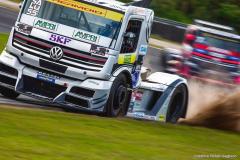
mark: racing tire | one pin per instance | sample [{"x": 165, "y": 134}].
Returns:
[
  {"x": 178, "y": 104},
  {"x": 119, "y": 98},
  {"x": 9, "y": 93}
]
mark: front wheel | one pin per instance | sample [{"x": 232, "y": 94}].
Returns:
[
  {"x": 9, "y": 93},
  {"x": 119, "y": 98}
]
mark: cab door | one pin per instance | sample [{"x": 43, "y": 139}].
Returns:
[{"x": 134, "y": 45}]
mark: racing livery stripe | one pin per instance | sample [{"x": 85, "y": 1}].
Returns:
[
  {"x": 89, "y": 9},
  {"x": 210, "y": 57}
]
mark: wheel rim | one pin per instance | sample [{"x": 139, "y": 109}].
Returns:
[{"x": 120, "y": 97}]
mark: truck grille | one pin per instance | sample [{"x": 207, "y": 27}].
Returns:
[
  {"x": 72, "y": 57},
  {"x": 77, "y": 101},
  {"x": 7, "y": 80}
]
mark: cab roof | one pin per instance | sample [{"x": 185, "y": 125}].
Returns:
[{"x": 215, "y": 31}]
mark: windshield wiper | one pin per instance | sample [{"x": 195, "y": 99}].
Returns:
[
  {"x": 115, "y": 33},
  {"x": 86, "y": 21}
]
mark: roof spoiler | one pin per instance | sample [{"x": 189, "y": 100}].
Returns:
[{"x": 140, "y": 3}]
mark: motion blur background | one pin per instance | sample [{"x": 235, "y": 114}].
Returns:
[{"x": 221, "y": 11}]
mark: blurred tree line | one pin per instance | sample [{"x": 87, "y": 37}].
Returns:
[{"x": 226, "y": 12}]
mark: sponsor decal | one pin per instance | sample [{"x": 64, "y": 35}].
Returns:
[
  {"x": 47, "y": 77},
  {"x": 80, "y": 6},
  {"x": 162, "y": 118},
  {"x": 97, "y": 50},
  {"x": 45, "y": 25},
  {"x": 139, "y": 115},
  {"x": 136, "y": 100},
  {"x": 143, "y": 50},
  {"x": 135, "y": 77},
  {"x": 138, "y": 95},
  {"x": 23, "y": 28},
  {"x": 34, "y": 7},
  {"x": 81, "y": 35},
  {"x": 127, "y": 58},
  {"x": 89, "y": 9},
  {"x": 59, "y": 39}
]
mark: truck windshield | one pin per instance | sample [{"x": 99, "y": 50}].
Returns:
[
  {"x": 220, "y": 42},
  {"x": 61, "y": 13}
]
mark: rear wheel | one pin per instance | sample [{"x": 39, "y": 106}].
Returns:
[
  {"x": 9, "y": 93},
  {"x": 178, "y": 104},
  {"x": 119, "y": 98}
]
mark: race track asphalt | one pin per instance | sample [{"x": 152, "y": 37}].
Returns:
[{"x": 7, "y": 20}]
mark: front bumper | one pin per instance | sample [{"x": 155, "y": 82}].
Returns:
[{"x": 90, "y": 94}]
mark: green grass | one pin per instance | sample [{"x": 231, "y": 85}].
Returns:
[
  {"x": 3, "y": 41},
  {"x": 28, "y": 134},
  {"x": 18, "y": 1},
  {"x": 34, "y": 134}
]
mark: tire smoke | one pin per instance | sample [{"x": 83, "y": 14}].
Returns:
[{"x": 213, "y": 107}]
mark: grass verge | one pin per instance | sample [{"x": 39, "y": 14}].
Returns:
[
  {"x": 38, "y": 134},
  {"x": 3, "y": 41},
  {"x": 16, "y": 1}
]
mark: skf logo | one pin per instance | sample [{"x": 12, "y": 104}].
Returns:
[{"x": 59, "y": 39}]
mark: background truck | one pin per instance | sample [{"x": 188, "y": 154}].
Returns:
[
  {"x": 210, "y": 52},
  {"x": 87, "y": 55}
]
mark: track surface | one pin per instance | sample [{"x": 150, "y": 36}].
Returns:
[{"x": 7, "y": 20}]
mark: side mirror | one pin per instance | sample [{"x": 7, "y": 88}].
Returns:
[
  {"x": 130, "y": 35},
  {"x": 20, "y": 5}
]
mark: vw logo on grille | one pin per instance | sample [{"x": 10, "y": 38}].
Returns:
[{"x": 56, "y": 53}]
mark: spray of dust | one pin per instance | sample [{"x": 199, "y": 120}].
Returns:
[{"x": 213, "y": 107}]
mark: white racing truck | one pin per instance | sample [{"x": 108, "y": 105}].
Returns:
[{"x": 88, "y": 55}]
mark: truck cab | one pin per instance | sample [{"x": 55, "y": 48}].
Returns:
[{"x": 78, "y": 53}]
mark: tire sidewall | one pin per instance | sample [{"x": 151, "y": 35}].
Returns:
[
  {"x": 110, "y": 109},
  {"x": 180, "y": 108}
]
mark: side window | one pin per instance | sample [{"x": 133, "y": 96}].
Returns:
[{"x": 131, "y": 37}]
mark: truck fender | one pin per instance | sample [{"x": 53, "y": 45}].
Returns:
[
  {"x": 126, "y": 70},
  {"x": 173, "y": 103}
]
